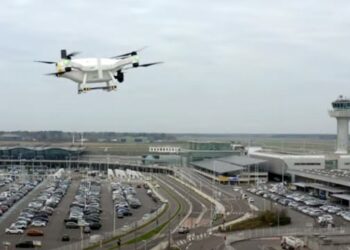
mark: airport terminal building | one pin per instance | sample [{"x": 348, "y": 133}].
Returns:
[
  {"x": 326, "y": 176},
  {"x": 41, "y": 152},
  {"x": 233, "y": 169}
]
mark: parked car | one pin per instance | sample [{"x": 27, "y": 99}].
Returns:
[
  {"x": 120, "y": 214},
  {"x": 13, "y": 230},
  {"x": 95, "y": 225},
  {"x": 183, "y": 230},
  {"x": 87, "y": 230},
  {"x": 72, "y": 225},
  {"x": 65, "y": 237},
  {"x": 35, "y": 232},
  {"x": 25, "y": 244},
  {"x": 38, "y": 223}
]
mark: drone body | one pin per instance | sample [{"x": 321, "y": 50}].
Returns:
[{"x": 87, "y": 72}]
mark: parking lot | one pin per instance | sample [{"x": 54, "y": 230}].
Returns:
[
  {"x": 56, "y": 228},
  {"x": 303, "y": 208}
]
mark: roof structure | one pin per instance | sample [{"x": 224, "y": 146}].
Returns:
[
  {"x": 217, "y": 166},
  {"x": 321, "y": 187},
  {"x": 241, "y": 160},
  {"x": 340, "y": 177},
  {"x": 342, "y": 196},
  {"x": 227, "y": 164},
  {"x": 40, "y": 148}
]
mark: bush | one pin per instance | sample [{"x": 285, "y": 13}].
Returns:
[{"x": 264, "y": 219}]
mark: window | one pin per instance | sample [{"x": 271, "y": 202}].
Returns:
[{"x": 307, "y": 164}]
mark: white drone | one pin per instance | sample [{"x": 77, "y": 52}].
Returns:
[{"x": 86, "y": 71}]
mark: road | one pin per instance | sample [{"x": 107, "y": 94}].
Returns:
[
  {"x": 235, "y": 206},
  {"x": 175, "y": 202},
  {"x": 258, "y": 244}
]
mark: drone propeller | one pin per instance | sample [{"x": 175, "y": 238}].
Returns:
[
  {"x": 55, "y": 74},
  {"x": 69, "y": 56},
  {"x": 47, "y": 62},
  {"x": 143, "y": 65},
  {"x": 64, "y": 55},
  {"x": 149, "y": 64},
  {"x": 132, "y": 53}
]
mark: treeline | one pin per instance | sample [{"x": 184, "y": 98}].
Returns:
[{"x": 61, "y": 136}]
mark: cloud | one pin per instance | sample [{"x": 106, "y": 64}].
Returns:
[{"x": 231, "y": 66}]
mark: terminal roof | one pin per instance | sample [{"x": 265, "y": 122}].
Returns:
[
  {"x": 342, "y": 196},
  {"x": 217, "y": 166},
  {"x": 228, "y": 164},
  {"x": 336, "y": 176},
  {"x": 320, "y": 187}
]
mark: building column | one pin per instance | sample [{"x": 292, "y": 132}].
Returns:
[{"x": 293, "y": 178}]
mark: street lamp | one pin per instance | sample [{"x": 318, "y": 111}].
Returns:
[
  {"x": 81, "y": 236},
  {"x": 6, "y": 244},
  {"x": 145, "y": 244},
  {"x": 278, "y": 216},
  {"x": 135, "y": 234},
  {"x": 113, "y": 219}
]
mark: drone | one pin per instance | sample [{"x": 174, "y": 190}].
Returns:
[{"x": 88, "y": 71}]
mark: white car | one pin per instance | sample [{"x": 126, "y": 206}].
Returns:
[
  {"x": 325, "y": 218},
  {"x": 250, "y": 199},
  {"x": 236, "y": 189},
  {"x": 13, "y": 230},
  {"x": 38, "y": 223}
]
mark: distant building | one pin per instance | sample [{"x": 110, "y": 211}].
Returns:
[
  {"x": 279, "y": 163},
  {"x": 164, "y": 149},
  {"x": 10, "y": 137},
  {"x": 131, "y": 139},
  {"x": 196, "y": 151},
  {"x": 46, "y": 153},
  {"x": 210, "y": 145}
]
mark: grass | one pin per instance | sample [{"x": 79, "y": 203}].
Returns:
[
  {"x": 147, "y": 235},
  {"x": 264, "y": 219}
]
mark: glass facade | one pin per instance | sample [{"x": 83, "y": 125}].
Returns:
[
  {"x": 209, "y": 146},
  {"x": 39, "y": 153},
  {"x": 331, "y": 164}
]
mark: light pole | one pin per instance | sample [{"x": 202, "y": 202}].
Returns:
[
  {"x": 135, "y": 234},
  {"x": 278, "y": 217},
  {"x": 81, "y": 237},
  {"x": 6, "y": 244},
  {"x": 113, "y": 219}
]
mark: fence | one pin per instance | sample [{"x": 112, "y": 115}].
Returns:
[{"x": 290, "y": 231}]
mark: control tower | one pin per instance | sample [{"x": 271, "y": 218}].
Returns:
[{"x": 341, "y": 111}]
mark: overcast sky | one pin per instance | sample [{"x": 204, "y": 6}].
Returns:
[{"x": 246, "y": 66}]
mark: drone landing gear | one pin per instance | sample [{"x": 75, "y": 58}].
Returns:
[
  {"x": 107, "y": 88},
  {"x": 110, "y": 88},
  {"x": 82, "y": 87}
]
